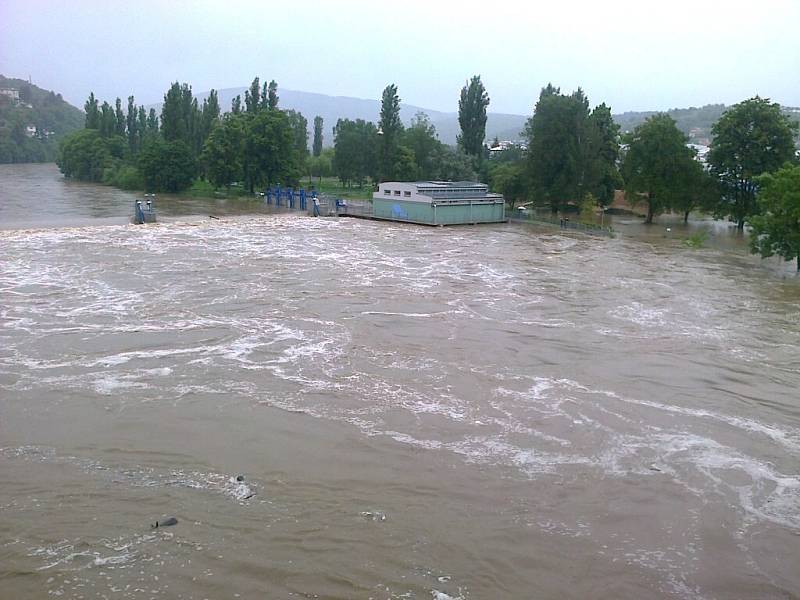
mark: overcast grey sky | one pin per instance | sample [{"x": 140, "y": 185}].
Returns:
[{"x": 633, "y": 55}]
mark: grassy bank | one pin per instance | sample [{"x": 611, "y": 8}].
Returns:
[{"x": 333, "y": 187}]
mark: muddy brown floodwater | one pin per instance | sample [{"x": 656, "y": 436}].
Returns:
[{"x": 479, "y": 412}]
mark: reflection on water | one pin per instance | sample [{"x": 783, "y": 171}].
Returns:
[
  {"x": 39, "y": 196},
  {"x": 416, "y": 412}
]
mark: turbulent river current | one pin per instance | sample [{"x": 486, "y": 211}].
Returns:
[{"x": 499, "y": 411}]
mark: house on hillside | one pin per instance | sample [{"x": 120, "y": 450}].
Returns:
[{"x": 11, "y": 93}]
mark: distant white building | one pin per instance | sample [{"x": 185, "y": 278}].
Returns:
[
  {"x": 501, "y": 146},
  {"x": 12, "y": 93},
  {"x": 30, "y": 130},
  {"x": 700, "y": 152}
]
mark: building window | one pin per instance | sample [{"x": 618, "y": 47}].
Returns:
[
  {"x": 397, "y": 192},
  {"x": 407, "y": 194},
  {"x": 387, "y": 192}
]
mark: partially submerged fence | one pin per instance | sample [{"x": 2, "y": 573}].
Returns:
[{"x": 529, "y": 216}]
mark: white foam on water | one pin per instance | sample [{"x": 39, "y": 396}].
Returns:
[{"x": 437, "y": 595}]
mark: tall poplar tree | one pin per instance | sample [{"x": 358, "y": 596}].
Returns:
[
  {"x": 272, "y": 95},
  {"x": 107, "y": 120},
  {"x": 141, "y": 125},
  {"x": 252, "y": 97},
  {"x": 472, "y": 116},
  {"x": 92, "y": 112},
  {"x": 132, "y": 125},
  {"x": 152, "y": 122},
  {"x": 119, "y": 118},
  {"x": 390, "y": 129},
  {"x": 317, "y": 147},
  {"x": 174, "y": 124}
]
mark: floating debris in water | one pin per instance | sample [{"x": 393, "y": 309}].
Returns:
[
  {"x": 238, "y": 489},
  {"x": 166, "y": 523},
  {"x": 373, "y": 515}
]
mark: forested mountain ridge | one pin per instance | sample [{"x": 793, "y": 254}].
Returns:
[{"x": 32, "y": 121}]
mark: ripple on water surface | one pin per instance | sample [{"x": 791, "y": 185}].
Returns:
[{"x": 559, "y": 359}]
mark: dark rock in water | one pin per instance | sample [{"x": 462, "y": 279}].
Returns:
[
  {"x": 166, "y": 522},
  {"x": 240, "y": 478}
]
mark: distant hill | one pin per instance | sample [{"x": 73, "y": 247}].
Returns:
[
  {"x": 32, "y": 121},
  {"x": 694, "y": 122}
]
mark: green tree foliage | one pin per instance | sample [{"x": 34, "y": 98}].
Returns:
[
  {"x": 272, "y": 95},
  {"x": 252, "y": 97},
  {"x": 271, "y": 151},
  {"x": 107, "y": 120},
  {"x": 602, "y": 156},
  {"x": 509, "y": 179},
  {"x": 141, "y": 126},
  {"x": 317, "y": 146},
  {"x": 261, "y": 146},
  {"x": 421, "y": 139},
  {"x": 658, "y": 166},
  {"x": 85, "y": 154},
  {"x": 211, "y": 113},
  {"x": 776, "y": 230},
  {"x": 223, "y": 152},
  {"x": 119, "y": 118},
  {"x": 152, "y": 122},
  {"x": 92, "y": 112},
  {"x": 132, "y": 126},
  {"x": 45, "y": 111},
  {"x": 355, "y": 151},
  {"x": 167, "y": 166},
  {"x": 750, "y": 139},
  {"x": 472, "y": 117},
  {"x": 405, "y": 164},
  {"x": 176, "y": 114},
  {"x": 455, "y": 165},
  {"x": 572, "y": 151},
  {"x": 236, "y": 105},
  {"x": 299, "y": 126},
  {"x": 553, "y": 146},
  {"x": 696, "y": 190},
  {"x": 322, "y": 165},
  {"x": 391, "y": 128}
]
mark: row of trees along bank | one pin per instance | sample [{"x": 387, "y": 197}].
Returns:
[
  {"x": 575, "y": 156},
  {"x": 367, "y": 152},
  {"x": 256, "y": 144}
]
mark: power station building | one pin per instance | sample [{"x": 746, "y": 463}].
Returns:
[{"x": 438, "y": 203}]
